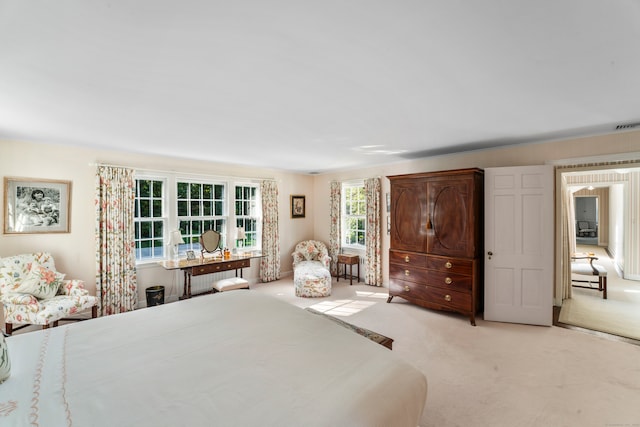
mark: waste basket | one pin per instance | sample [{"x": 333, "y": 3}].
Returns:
[{"x": 155, "y": 295}]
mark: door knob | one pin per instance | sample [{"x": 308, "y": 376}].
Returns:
[{"x": 489, "y": 253}]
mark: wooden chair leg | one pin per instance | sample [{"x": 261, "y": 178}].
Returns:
[
  {"x": 8, "y": 328},
  {"x": 94, "y": 311},
  {"x": 604, "y": 287}
]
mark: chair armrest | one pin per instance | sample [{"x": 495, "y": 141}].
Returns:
[
  {"x": 326, "y": 260},
  {"x": 18, "y": 298},
  {"x": 73, "y": 287}
]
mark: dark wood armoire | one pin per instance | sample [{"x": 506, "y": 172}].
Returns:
[{"x": 435, "y": 257}]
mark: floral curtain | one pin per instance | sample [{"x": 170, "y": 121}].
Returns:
[
  {"x": 372, "y": 189},
  {"x": 116, "y": 286},
  {"x": 270, "y": 262},
  {"x": 334, "y": 231}
]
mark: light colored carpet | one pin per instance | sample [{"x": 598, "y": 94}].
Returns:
[
  {"x": 494, "y": 374},
  {"x": 619, "y": 314}
]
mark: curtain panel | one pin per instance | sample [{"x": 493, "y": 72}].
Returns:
[
  {"x": 116, "y": 284},
  {"x": 270, "y": 262},
  {"x": 334, "y": 228},
  {"x": 373, "y": 276}
]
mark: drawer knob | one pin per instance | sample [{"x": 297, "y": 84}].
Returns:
[
  {"x": 407, "y": 259},
  {"x": 448, "y": 280},
  {"x": 447, "y": 298},
  {"x": 407, "y": 288},
  {"x": 448, "y": 264},
  {"x": 407, "y": 272}
]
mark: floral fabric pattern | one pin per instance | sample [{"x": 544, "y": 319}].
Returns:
[
  {"x": 41, "y": 282},
  {"x": 334, "y": 228},
  {"x": 373, "y": 276},
  {"x": 116, "y": 283},
  {"x": 311, "y": 275},
  {"x": 270, "y": 262},
  {"x": 69, "y": 298}
]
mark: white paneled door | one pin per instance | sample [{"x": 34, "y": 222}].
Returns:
[{"x": 519, "y": 247}]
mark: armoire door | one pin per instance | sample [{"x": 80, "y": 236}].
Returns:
[
  {"x": 451, "y": 217},
  {"x": 408, "y": 215}
]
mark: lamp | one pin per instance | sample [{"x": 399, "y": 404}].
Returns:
[
  {"x": 240, "y": 236},
  {"x": 175, "y": 239}
]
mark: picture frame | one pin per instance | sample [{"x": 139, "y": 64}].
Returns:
[
  {"x": 33, "y": 205},
  {"x": 191, "y": 255},
  {"x": 297, "y": 206}
]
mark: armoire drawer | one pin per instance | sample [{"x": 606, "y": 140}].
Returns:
[
  {"x": 454, "y": 265},
  {"x": 407, "y": 273},
  {"x": 407, "y": 258},
  {"x": 458, "y": 301},
  {"x": 447, "y": 280},
  {"x": 407, "y": 290}
]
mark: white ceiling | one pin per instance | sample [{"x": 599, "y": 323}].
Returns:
[{"x": 315, "y": 86}]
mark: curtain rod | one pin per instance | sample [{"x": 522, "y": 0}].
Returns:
[{"x": 182, "y": 173}]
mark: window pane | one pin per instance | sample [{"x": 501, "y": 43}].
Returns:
[
  {"x": 195, "y": 190},
  {"x": 183, "y": 208},
  {"x": 157, "y": 188},
  {"x": 195, "y": 208},
  {"x": 207, "y": 191},
  {"x": 182, "y": 188},
  {"x": 145, "y": 210},
  {"x": 144, "y": 188},
  {"x": 207, "y": 208},
  {"x": 157, "y": 208}
]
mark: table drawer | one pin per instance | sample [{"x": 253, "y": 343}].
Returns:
[
  {"x": 407, "y": 258},
  {"x": 453, "y": 265},
  {"x": 219, "y": 266},
  {"x": 407, "y": 273}
]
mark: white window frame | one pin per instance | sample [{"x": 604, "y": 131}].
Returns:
[
  {"x": 170, "y": 208},
  {"x": 345, "y": 217},
  {"x": 164, "y": 218}
]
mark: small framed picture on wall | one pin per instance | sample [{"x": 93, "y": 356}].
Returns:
[{"x": 297, "y": 206}]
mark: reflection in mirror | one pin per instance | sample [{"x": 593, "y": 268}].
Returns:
[{"x": 210, "y": 241}]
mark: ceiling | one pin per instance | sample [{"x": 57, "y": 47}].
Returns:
[{"x": 315, "y": 86}]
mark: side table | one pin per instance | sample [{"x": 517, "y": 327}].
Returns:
[{"x": 350, "y": 260}]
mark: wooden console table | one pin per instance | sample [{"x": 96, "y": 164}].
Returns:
[{"x": 208, "y": 265}]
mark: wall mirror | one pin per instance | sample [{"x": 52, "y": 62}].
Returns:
[{"x": 210, "y": 241}]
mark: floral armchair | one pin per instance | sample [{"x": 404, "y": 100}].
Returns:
[
  {"x": 311, "y": 276},
  {"x": 34, "y": 293}
]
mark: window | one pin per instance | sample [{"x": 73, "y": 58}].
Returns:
[
  {"x": 166, "y": 202},
  {"x": 201, "y": 207},
  {"x": 150, "y": 219},
  {"x": 247, "y": 214},
  {"x": 354, "y": 214}
]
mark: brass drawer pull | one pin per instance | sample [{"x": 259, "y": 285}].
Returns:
[
  {"x": 448, "y": 264},
  {"x": 448, "y": 280},
  {"x": 407, "y": 259},
  {"x": 407, "y": 288},
  {"x": 447, "y": 298},
  {"x": 407, "y": 272}
]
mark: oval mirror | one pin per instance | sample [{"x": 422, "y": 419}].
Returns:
[{"x": 210, "y": 241}]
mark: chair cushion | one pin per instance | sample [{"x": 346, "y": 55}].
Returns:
[
  {"x": 586, "y": 270},
  {"x": 40, "y": 282},
  {"x": 230, "y": 284}
]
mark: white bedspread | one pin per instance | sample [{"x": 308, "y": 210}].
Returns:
[{"x": 229, "y": 359}]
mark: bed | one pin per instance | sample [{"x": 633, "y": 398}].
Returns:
[{"x": 229, "y": 359}]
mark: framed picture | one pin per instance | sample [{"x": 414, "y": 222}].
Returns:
[
  {"x": 191, "y": 255},
  {"x": 36, "y": 206},
  {"x": 297, "y": 206}
]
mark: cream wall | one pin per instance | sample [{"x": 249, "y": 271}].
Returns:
[
  {"x": 520, "y": 155},
  {"x": 74, "y": 252}
]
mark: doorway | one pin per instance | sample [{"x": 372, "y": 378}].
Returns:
[{"x": 603, "y": 198}]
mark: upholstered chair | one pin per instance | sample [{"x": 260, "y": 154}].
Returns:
[
  {"x": 34, "y": 293},
  {"x": 311, "y": 275}
]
